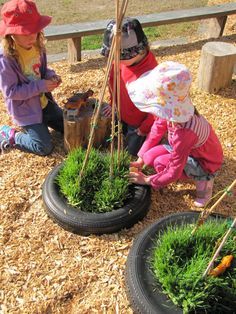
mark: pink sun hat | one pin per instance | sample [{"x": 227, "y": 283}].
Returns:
[
  {"x": 21, "y": 17},
  {"x": 164, "y": 92}
]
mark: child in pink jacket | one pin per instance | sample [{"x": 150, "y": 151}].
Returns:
[{"x": 194, "y": 150}]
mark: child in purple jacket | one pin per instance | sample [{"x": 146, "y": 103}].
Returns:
[{"x": 25, "y": 81}]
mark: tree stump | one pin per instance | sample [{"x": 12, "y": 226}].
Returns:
[
  {"x": 216, "y": 66},
  {"x": 77, "y": 128}
]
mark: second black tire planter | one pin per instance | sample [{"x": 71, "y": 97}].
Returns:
[
  {"x": 144, "y": 294},
  {"x": 84, "y": 223}
]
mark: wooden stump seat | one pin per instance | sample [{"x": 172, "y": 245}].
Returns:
[
  {"x": 77, "y": 128},
  {"x": 216, "y": 66}
]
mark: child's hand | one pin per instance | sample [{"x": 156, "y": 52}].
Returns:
[
  {"x": 56, "y": 78},
  {"x": 139, "y": 178},
  {"x": 140, "y": 133},
  {"x": 50, "y": 85},
  {"x": 137, "y": 164}
]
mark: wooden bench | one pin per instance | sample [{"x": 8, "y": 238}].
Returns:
[{"x": 74, "y": 32}]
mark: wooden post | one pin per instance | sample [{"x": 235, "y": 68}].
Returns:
[
  {"x": 74, "y": 49},
  {"x": 216, "y": 66},
  {"x": 77, "y": 129},
  {"x": 214, "y": 27}
]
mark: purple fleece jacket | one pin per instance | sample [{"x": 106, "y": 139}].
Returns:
[{"x": 22, "y": 96}]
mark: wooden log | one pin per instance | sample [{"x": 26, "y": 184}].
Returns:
[
  {"x": 216, "y": 66},
  {"x": 77, "y": 128}
]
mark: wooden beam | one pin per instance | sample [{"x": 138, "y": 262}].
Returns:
[
  {"x": 187, "y": 15},
  {"x": 55, "y": 32},
  {"x": 74, "y": 32}
]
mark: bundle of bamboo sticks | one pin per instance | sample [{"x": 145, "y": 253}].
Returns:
[{"x": 113, "y": 58}]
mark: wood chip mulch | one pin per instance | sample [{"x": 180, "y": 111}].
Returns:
[{"x": 45, "y": 269}]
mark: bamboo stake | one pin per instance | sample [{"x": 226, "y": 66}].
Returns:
[
  {"x": 121, "y": 16},
  {"x": 120, "y": 133},
  {"x": 116, "y": 84},
  {"x": 207, "y": 212},
  {"x": 220, "y": 247},
  {"x": 122, "y": 11},
  {"x": 120, "y": 142},
  {"x": 118, "y": 43},
  {"x": 114, "y": 96},
  {"x": 118, "y": 102}
]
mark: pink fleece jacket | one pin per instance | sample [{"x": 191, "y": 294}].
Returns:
[{"x": 185, "y": 141}]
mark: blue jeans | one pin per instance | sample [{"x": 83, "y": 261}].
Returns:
[
  {"x": 36, "y": 138},
  {"x": 194, "y": 170},
  {"x": 133, "y": 141}
]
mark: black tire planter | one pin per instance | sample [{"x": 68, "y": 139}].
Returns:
[
  {"x": 85, "y": 223},
  {"x": 143, "y": 292}
]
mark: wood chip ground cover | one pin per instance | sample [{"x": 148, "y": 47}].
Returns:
[{"x": 44, "y": 269}]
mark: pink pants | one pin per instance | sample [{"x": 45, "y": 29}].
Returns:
[{"x": 158, "y": 157}]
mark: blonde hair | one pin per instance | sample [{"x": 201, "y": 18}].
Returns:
[{"x": 9, "y": 47}]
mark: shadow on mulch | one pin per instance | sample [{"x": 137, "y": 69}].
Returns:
[
  {"x": 229, "y": 92},
  {"x": 196, "y": 45},
  {"x": 91, "y": 64}
]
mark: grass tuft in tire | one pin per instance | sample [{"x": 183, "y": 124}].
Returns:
[
  {"x": 166, "y": 263},
  {"x": 179, "y": 260},
  {"x": 99, "y": 205},
  {"x": 96, "y": 192}
]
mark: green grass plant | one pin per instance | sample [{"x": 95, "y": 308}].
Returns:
[
  {"x": 179, "y": 261},
  {"x": 92, "y": 42},
  {"x": 96, "y": 191}
]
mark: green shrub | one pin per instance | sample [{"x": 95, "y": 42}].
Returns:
[
  {"x": 96, "y": 192},
  {"x": 179, "y": 261}
]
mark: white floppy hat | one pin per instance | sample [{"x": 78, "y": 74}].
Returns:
[{"x": 164, "y": 92}]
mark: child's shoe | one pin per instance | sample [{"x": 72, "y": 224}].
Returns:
[
  {"x": 7, "y": 138},
  {"x": 204, "y": 192}
]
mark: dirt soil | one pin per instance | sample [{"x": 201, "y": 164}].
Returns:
[{"x": 45, "y": 269}]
